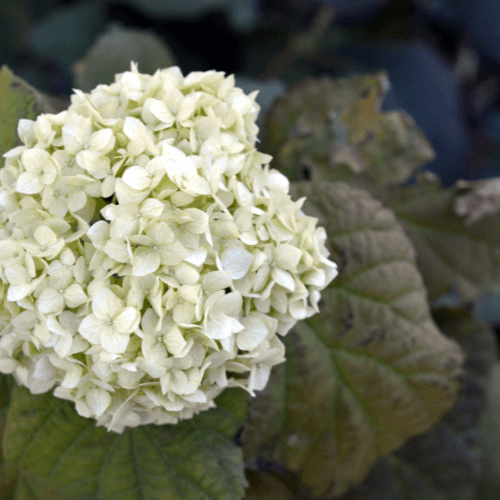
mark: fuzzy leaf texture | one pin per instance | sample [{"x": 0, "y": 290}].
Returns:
[
  {"x": 441, "y": 221},
  {"x": 69, "y": 455},
  {"x": 445, "y": 462},
  {"x": 335, "y": 129},
  {"x": 17, "y": 100},
  {"x": 371, "y": 370}
]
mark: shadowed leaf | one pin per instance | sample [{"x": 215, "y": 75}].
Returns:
[
  {"x": 17, "y": 100},
  {"x": 335, "y": 129},
  {"x": 368, "y": 372},
  {"x": 68, "y": 453},
  {"x": 443, "y": 463},
  {"x": 452, "y": 254}
]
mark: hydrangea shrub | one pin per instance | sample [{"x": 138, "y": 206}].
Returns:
[{"x": 150, "y": 257}]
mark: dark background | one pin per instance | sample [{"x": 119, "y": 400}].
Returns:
[{"x": 443, "y": 56}]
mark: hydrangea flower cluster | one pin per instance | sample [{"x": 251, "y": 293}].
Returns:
[{"x": 149, "y": 255}]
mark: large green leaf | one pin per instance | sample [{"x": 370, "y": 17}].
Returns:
[
  {"x": 443, "y": 463},
  {"x": 8, "y": 471},
  {"x": 368, "y": 372},
  {"x": 335, "y": 129},
  {"x": 454, "y": 253},
  {"x": 112, "y": 52},
  {"x": 194, "y": 459},
  {"x": 490, "y": 439}
]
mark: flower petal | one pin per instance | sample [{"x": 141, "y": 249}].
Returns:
[
  {"x": 237, "y": 261},
  {"x": 106, "y": 305}
]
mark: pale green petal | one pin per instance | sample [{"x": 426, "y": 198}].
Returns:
[
  {"x": 17, "y": 274},
  {"x": 254, "y": 333},
  {"x": 283, "y": 278},
  {"x": 151, "y": 208},
  {"x": 72, "y": 377},
  {"x": 161, "y": 234},
  {"x": 106, "y": 305},
  {"x": 125, "y": 226},
  {"x": 237, "y": 261},
  {"x": 178, "y": 382},
  {"x": 146, "y": 261},
  {"x": 287, "y": 256},
  {"x": 316, "y": 277},
  {"x": 117, "y": 250},
  {"x": 63, "y": 346},
  {"x": 29, "y": 183},
  {"x": 186, "y": 274},
  {"x": 218, "y": 326},
  {"x": 74, "y": 296},
  {"x": 102, "y": 140},
  {"x": 50, "y": 301},
  {"x": 199, "y": 222},
  {"x": 298, "y": 309},
  {"x": 99, "y": 234},
  {"x": 44, "y": 236},
  {"x": 174, "y": 340},
  {"x": 230, "y": 303},
  {"x": 76, "y": 200},
  {"x": 127, "y": 320},
  {"x": 173, "y": 254},
  {"x": 113, "y": 341},
  {"x": 90, "y": 328},
  {"x": 184, "y": 313},
  {"x": 98, "y": 400},
  {"x": 18, "y": 292},
  {"x": 137, "y": 177},
  {"x": 197, "y": 184},
  {"x": 216, "y": 280}
]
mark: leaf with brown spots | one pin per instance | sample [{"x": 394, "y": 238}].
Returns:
[
  {"x": 335, "y": 129},
  {"x": 368, "y": 372}
]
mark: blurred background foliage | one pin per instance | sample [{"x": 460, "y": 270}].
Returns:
[{"x": 442, "y": 58}]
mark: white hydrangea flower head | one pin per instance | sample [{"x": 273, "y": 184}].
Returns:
[{"x": 150, "y": 256}]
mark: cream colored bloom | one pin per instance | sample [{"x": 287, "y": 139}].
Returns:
[{"x": 144, "y": 308}]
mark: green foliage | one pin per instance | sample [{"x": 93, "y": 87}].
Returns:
[
  {"x": 67, "y": 453},
  {"x": 371, "y": 369},
  {"x": 336, "y": 130},
  {"x": 265, "y": 486},
  {"x": 443, "y": 463},
  {"x": 17, "y": 100},
  {"x": 452, "y": 254},
  {"x": 112, "y": 52}
]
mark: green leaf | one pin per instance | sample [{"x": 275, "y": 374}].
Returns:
[
  {"x": 17, "y": 100},
  {"x": 368, "y": 372},
  {"x": 194, "y": 459},
  {"x": 114, "y": 50},
  {"x": 453, "y": 255},
  {"x": 266, "y": 486},
  {"x": 8, "y": 471},
  {"x": 335, "y": 129},
  {"x": 29, "y": 488},
  {"x": 444, "y": 463},
  {"x": 234, "y": 401}
]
